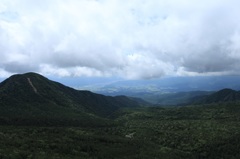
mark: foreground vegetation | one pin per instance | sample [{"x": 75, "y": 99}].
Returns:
[{"x": 207, "y": 131}]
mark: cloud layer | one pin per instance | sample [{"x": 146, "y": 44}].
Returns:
[{"x": 135, "y": 39}]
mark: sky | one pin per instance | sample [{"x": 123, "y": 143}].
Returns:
[{"x": 137, "y": 39}]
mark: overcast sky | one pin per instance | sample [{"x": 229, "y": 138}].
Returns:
[{"x": 132, "y": 39}]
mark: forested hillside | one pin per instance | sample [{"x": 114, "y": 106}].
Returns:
[
  {"x": 33, "y": 99},
  {"x": 40, "y": 118}
]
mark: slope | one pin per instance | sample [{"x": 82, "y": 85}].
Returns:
[
  {"x": 180, "y": 98},
  {"x": 31, "y": 96},
  {"x": 224, "y": 95}
]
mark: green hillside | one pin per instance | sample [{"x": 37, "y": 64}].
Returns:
[
  {"x": 180, "y": 98},
  {"x": 224, "y": 95},
  {"x": 32, "y": 98},
  {"x": 193, "y": 132}
]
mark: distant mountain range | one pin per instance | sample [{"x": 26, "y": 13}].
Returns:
[
  {"x": 31, "y": 98},
  {"x": 198, "y": 97},
  {"x": 170, "y": 84},
  {"x": 168, "y": 90},
  {"x": 224, "y": 95}
]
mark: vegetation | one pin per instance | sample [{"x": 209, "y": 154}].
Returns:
[
  {"x": 31, "y": 99},
  {"x": 59, "y": 122},
  {"x": 208, "y": 131},
  {"x": 224, "y": 95}
]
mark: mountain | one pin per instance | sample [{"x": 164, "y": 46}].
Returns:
[
  {"x": 224, "y": 95},
  {"x": 167, "y": 85},
  {"x": 141, "y": 102},
  {"x": 153, "y": 89},
  {"x": 30, "y": 96},
  {"x": 179, "y": 98}
]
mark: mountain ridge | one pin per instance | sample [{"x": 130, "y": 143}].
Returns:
[
  {"x": 223, "y": 95},
  {"x": 33, "y": 95}
]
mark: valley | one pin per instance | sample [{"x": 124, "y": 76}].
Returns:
[{"x": 166, "y": 90}]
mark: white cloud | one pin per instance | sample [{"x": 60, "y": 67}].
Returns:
[
  {"x": 131, "y": 39},
  {"x": 144, "y": 67}
]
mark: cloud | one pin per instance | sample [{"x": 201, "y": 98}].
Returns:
[{"x": 132, "y": 39}]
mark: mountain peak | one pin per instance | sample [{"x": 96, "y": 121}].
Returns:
[
  {"x": 28, "y": 75},
  {"x": 21, "y": 77},
  {"x": 23, "y": 82},
  {"x": 31, "y": 94},
  {"x": 226, "y": 90},
  {"x": 224, "y": 95}
]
